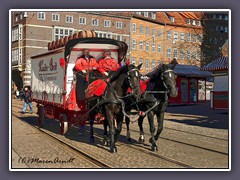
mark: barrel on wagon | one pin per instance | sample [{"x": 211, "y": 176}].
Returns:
[{"x": 54, "y": 80}]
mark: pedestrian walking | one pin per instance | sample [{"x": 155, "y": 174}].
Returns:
[{"x": 27, "y": 99}]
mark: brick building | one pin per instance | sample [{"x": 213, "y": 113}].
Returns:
[
  {"x": 159, "y": 37},
  {"x": 153, "y": 37},
  {"x": 31, "y": 32}
]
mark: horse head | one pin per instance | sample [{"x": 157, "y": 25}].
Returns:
[{"x": 168, "y": 78}]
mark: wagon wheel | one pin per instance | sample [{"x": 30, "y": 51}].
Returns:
[
  {"x": 41, "y": 116},
  {"x": 63, "y": 124}
]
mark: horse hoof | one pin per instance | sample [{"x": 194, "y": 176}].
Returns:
[
  {"x": 113, "y": 150},
  {"x": 129, "y": 139},
  {"x": 154, "y": 148},
  {"x": 106, "y": 143},
  {"x": 91, "y": 140},
  {"x": 141, "y": 140}
]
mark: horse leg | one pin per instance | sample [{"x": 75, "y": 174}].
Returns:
[
  {"x": 110, "y": 118},
  {"x": 105, "y": 134},
  {"x": 119, "y": 125},
  {"x": 160, "y": 118},
  {"x": 152, "y": 131},
  {"x": 91, "y": 137},
  {"x": 128, "y": 129},
  {"x": 140, "y": 125}
]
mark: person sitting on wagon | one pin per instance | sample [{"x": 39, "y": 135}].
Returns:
[
  {"x": 84, "y": 64},
  {"x": 107, "y": 63}
]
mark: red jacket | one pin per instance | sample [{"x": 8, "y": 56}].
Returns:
[
  {"x": 83, "y": 64},
  {"x": 108, "y": 65}
]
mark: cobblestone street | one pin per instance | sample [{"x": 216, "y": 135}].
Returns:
[{"x": 193, "y": 135}]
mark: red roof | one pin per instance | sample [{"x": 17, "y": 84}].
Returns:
[{"x": 219, "y": 64}]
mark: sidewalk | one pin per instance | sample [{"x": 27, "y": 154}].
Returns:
[{"x": 199, "y": 115}]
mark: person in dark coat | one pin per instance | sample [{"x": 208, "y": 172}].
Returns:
[{"x": 27, "y": 100}]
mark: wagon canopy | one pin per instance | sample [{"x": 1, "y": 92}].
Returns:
[{"x": 122, "y": 46}]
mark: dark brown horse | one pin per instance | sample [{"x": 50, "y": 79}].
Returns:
[
  {"x": 154, "y": 101},
  {"x": 111, "y": 104}
]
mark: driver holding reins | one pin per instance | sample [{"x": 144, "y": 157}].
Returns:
[{"x": 107, "y": 63}]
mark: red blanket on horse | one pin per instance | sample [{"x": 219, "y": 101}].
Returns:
[
  {"x": 143, "y": 86},
  {"x": 96, "y": 88}
]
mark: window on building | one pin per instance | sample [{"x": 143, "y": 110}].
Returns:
[
  {"x": 82, "y": 20},
  {"x": 20, "y": 56},
  {"x": 169, "y": 34},
  {"x": 175, "y": 53},
  {"x": 159, "y": 61},
  {"x": 200, "y": 37},
  {"x": 107, "y": 23},
  {"x": 153, "y": 63},
  {"x": 153, "y": 14},
  {"x": 195, "y": 38},
  {"x": 62, "y": 32},
  {"x": 147, "y": 46},
  {"x": 119, "y": 37},
  {"x": 226, "y": 29},
  {"x": 119, "y": 25},
  {"x": 172, "y": 19},
  {"x": 175, "y": 37},
  {"x": 134, "y": 43},
  {"x": 188, "y": 37},
  {"x": 220, "y": 16},
  {"x": 181, "y": 54},
  {"x": 141, "y": 29},
  {"x": 133, "y": 60},
  {"x": 169, "y": 52},
  {"x": 147, "y": 31},
  {"x": 134, "y": 27},
  {"x": 16, "y": 18},
  {"x": 145, "y": 14},
  {"x": 69, "y": 19},
  {"x": 15, "y": 56},
  {"x": 153, "y": 47},
  {"x": 140, "y": 62},
  {"x": 182, "y": 36},
  {"x": 195, "y": 55},
  {"x": 147, "y": 64},
  {"x": 159, "y": 33},
  {"x": 153, "y": 32},
  {"x": 188, "y": 55},
  {"x": 159, "y": 48},
  {"x": 141, "y": 45},
  {"x": 188, "y": 21},
  {"x": 21, "y": 16},
  {"x": 214, "y": 16},
  {"x": 217, "y": 28},
  {"x": 95, "y": 22},
  {"x": 15, "y": 34},
  {"x": 226, "y": 17},
  {"x": 199, "y": 23},
  {"x": 221, "y": 29},
  {"x": 200, "y": 55},
  {"x": 41, "y": 15},
  {"x": 193, "y": 22},
  {"x": 55, "y": 17},
  {"x": 20, "y": 31}
]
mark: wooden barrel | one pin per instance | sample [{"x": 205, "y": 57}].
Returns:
[
  {"x": 87, "y": 34},
  {"x": 50, "y": 46},
  {"x": 53, "y": 45},
  {"x": 61, "y": 44},
  {"x": 75, "y": 35},
  {"x": 65, "y": 40}
]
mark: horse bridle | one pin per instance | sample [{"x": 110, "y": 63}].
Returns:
[
  {"x": 162, "y": 78},
  {"x": 128, "y": 77}
]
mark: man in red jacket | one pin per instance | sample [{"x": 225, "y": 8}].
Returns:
[
  {"x": 107, "y": 63},
  {"x": 86, "y": 62}
]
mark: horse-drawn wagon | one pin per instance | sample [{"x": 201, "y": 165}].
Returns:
[{"x": 54, "y": 80}]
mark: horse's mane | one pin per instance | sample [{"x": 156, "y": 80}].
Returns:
[
  {"x": 155, "y": 72},
  {"x": 117, "y": 73}
]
